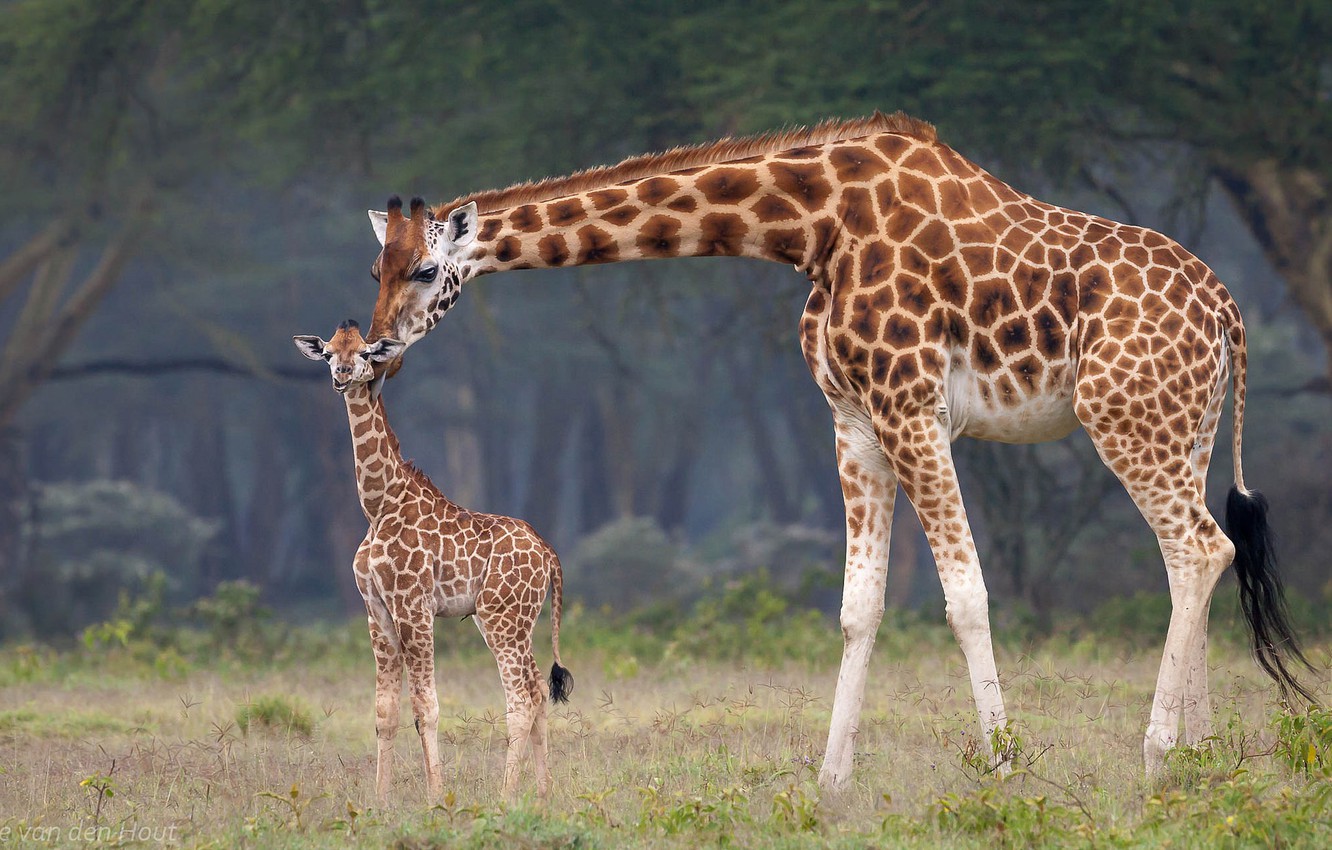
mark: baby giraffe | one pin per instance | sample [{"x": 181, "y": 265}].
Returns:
[{"x": 425, "y": 557}]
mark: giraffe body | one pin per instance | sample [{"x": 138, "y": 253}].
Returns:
[
  {"x": 425, "y": 557},
  {"x": 943, "y": 303}
]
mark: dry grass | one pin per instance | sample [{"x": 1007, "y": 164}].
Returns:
[{"x": 675, "y": 753}]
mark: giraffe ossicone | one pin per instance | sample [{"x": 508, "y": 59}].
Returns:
[
  {"x": 943, "y": 303},
  {"x": 425, "y": 557}
]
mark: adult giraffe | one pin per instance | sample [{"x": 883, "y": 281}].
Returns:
[{"x": 944, "y": 303}]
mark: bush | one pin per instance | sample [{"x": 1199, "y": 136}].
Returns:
[
  {"x": 277, "y": 714},
  {"x": 93, "y": 539},
  {"x": 627, "y": 564}
]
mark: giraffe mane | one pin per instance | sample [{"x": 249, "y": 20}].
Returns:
[{"x": 707, "y": 153}]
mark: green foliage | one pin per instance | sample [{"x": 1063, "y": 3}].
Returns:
[
  {"x": 1304, "y": 741},
  {"x": 1005, "y": 819},
  {"x": 794, "y": 810},
  {"x": 275, "y": 713},
  {"x": 233, "y": 618},
  {"x": 1242, "y": 811},
  {"x": 677, "y": 814}
]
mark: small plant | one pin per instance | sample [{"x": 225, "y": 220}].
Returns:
[
  {"x": 794, "y": 810},
  {"x": 1007, "y": 747},
  {"x": 596, "y": 813},
  {"x": 103, "y": 786},
  {"x": 296, "y": 805},
  {"x": 276, "y": 713}
]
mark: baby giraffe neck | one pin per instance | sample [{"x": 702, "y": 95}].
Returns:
[{"x": 378, "y": 461}]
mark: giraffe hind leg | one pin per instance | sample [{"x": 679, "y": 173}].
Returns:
[
  {"x": 1198, "y": 702},
  {"x": 1153, "y": 455},
  {"x": 508, "y": 625}
]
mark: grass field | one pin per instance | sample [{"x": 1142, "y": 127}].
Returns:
[{"x": 663, "y": 744}]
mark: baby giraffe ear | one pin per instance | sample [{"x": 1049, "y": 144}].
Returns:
[
  {"x": 460, "y": 224},
  {"x": 384, "y": 350},
  {"x": 379, "y": 222},
  {"x": 310, "y": 346}
]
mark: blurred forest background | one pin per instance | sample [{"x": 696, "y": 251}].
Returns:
[{"x": 184, "y": 187}]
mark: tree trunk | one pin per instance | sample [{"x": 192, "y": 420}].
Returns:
[
  {"x": 553, "y": 422},
  {"x": 14, "y": 504},
  {"x": 615, "y": 407},
  {"x": 1289, "y": 211},
  {"x": 904, "y": 553}
]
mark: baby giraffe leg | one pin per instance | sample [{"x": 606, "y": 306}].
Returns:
[
  {"x": 419, "y": 648},
  {"x": 520, "y": 710},
  {"x": 539, "y": 743},
  {"x": 388, "y": 689}
]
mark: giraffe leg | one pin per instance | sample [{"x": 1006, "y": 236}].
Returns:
[
  {"x": 540, "y": 742},
  {"x": 507, "y": 624},
  {"x": 869, "y": 489},
  {"x": 388, "y": 690},
  {"x": 1161, "y": 469},
  {"x": 418, "y": 646},
  {"x": 521, "y": 680},
  {"x": 929, "y": 480},
  {"x": 1195, "y": 559},
  {"x": 1198, "y": 703}
]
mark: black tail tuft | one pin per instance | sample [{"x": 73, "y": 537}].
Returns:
[
  {"x": 1261, "y": 596},
  {"x": 561, "y": 683}
]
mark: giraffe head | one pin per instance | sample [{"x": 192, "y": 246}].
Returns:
[
  {"x": 350, "y": 358},
  {"x": 418, "y": 268}
]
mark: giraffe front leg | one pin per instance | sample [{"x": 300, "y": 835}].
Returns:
[
  {"x": 388, "y": 689},
  {"x": 869, "y": 490},
  {"x": 418, "y": 641},
  {"x": 930, "y": 482}
]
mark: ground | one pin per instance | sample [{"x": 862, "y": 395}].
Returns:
[{"x": 658, "y": 747}]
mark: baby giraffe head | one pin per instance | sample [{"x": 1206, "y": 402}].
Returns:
[{"x": 350, "y": 358}]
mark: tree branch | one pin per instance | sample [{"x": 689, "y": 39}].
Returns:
[{"x": 157, "y": 368}]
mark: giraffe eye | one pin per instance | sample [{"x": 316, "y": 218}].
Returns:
[{"x": 427, "y": 274}]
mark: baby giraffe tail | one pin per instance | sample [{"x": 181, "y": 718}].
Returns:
[{"x": 561, "y": 680}]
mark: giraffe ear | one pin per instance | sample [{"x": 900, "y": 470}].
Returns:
[
  {"x": 385, "y": 349},
  {"x": 378, "y": 221},
  {"x": 311, "y": 346},
  {"x": 460, "y": 224}
]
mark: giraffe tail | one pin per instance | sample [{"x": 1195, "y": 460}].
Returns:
[
  {"x": 561, "y": 680},
  {"x": 1262, "y": 598}
]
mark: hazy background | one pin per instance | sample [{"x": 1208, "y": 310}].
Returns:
[{"x": 183, "y": 187}]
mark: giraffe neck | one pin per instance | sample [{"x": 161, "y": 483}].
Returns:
[
  {"x": 380, "y": 471},
  {"x": 771, "y": 207}
]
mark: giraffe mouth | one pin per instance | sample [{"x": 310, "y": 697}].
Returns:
[{"x": 341, "y": 386}]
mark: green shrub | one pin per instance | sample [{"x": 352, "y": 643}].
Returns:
[
  {"x": 1008, "y": 820},
  {"x": 1304, "y": 741},
  {"x": 275, "y": 713}
]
